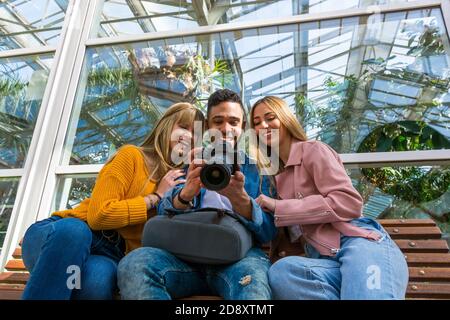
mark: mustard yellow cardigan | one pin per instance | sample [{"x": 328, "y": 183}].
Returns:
[{"x": 117, "y": 201}]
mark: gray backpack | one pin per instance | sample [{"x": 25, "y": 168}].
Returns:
[{"x": 207, "y": 235}]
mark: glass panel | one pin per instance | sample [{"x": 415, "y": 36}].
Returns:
[
  {"x": 22, "y": 86},
  {"x": 380, "y": 85},
  {"x": 71, "y": 190},
  {"x": 406, "y": 192},
  {"x": 8, "y": 190},
  {"x": 358, "y": 87},
  {"x": 124, "y": 17},
  {"x": 28, "y": 24}
]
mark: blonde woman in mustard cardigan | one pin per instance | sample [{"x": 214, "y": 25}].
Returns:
[
  {"x": 348, "y": 256},
  {"x": 74, "y": 253}
]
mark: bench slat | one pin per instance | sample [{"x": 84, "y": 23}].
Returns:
[
  {"x": 10, "y": 292},
  {"x": 411, "y": 245},
  {"x": 437, "y": 246},
  {"x": 15, "y": 265},
  {"x": 428, "y": 290},
  {"x": 417, "y": 274},
  {"x": 414, "y": 232},
  {"x": 14, "y": 277},
  {"x": 17, "y": 254},
  {"x": 406, "y": 222},
  {"x": 428, "y": 259}
]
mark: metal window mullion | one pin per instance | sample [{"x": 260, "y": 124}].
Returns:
[
  {"x": 398, "y": 157},
  {"x": 27, "y": 52},
  {"x": 445, "y": 9},
  {"x": 78, "y": 169},
  {"x": 69, "y": 102},
  {"x": 11, "y": 173}
]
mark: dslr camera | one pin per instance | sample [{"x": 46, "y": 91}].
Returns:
[{"x": 221, "y": 164}]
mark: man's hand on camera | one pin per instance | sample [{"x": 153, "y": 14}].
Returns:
[{"x": 235, "y": 192}]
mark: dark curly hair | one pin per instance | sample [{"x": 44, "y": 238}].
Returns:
[{"x": 225, "y": 95}]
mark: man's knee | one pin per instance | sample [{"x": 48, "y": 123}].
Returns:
[
  {"x": 251, "y": 286},
  {"x": 249, "y": 279},
  {"x": 141, "y": 273},
  {"x": 140, "y": 262}
]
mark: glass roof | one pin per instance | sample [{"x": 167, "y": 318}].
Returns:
[
  {"x": 343, "y": 78},
  {"x": 29, "y": 24},
  {"x": 122, "y": 17}
]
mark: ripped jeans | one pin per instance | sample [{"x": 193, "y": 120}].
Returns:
[{"x": 155, "y": 274}]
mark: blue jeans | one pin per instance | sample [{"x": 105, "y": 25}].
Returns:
[
  {"x": 53, "y": 247},
  {"x": 362, "y": 269},
  {"x": 150, "y": 273}
]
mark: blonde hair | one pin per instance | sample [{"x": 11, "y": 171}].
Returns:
[
  {"x": 157, "y": 144},
  {"x": 287, "y": 119}
]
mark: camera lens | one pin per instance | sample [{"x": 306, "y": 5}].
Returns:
[{"x": 215, "y": 176}]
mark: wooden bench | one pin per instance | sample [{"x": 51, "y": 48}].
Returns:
[{"x": 426, "y": 253}]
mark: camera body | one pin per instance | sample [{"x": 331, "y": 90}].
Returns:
[{"x": 221, "y": 164}]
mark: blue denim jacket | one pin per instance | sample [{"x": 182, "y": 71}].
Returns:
[{"x": 262, "y": 224}]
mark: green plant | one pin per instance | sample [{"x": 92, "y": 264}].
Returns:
[
  {"x": 403, "y": 136},
  {"x": 80, "y": 189},
  {"x": 107, "y": 90},
  {"x": 415, "y": 187},
  {"x": 428, "y": 38},
  {"x": 16, "y": 121},
  {"x": 11, "y": 87},
  {"x": 336, "y": 114},
  {"x": 199, "y": 77}
]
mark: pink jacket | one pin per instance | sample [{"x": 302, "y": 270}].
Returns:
[{"x": 317, "y": 194}]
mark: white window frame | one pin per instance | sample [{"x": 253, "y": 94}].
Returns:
[{"x": 34, "y": 172}]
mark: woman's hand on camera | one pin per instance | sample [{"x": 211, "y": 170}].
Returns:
[
  {"x": 166, "y": 183},
  {"x": 193, "y": 184},
  {"x": 266, "y": 203},
  {"x": 169, "y": 181}
]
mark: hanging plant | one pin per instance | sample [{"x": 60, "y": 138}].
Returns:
[
  {"x": 428, "y": 39},
  {"x": 199, "y": 77}
]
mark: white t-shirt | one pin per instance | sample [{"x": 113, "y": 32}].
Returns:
[{"x": 212, "y": 199}]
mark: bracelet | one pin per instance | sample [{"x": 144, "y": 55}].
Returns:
[
  {"x": 185, "y": 202},
  {"x": 157, "y": 194},
  {"x": 152, "y": 204}
]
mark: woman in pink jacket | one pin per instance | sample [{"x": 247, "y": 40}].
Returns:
[{"x": 349, "y": 256}]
